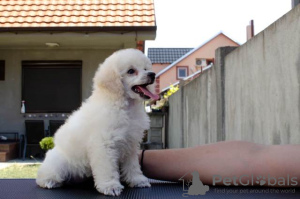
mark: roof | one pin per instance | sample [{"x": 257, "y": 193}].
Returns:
[
  {"x": 76, "y": 13},
  {"x": 188, "y": 54},
  {"x": 166, "y": 55}
]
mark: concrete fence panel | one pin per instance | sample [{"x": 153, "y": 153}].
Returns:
[
  {"x": 262, "y": 92},
  {"x": 252, "y": 92}
]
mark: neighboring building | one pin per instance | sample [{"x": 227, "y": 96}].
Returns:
[
  {"x": 163, "y": 57},
  {"x": 50, "y": 50},
  {"x": 189, "y": 63}
]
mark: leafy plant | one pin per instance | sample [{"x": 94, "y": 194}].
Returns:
[
  {"x": 145, "y": 138},
  {"x": 164, "y": 101},
  {"x": 47, "y": 143},
  {"x": 173, "y": 89}
]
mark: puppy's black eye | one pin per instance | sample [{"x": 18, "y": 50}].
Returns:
[{"x": 131, "y": 71}]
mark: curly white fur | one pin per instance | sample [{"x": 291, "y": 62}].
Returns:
[{"x": 101, "y": 139}]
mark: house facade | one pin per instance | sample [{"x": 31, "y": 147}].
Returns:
[
  {"x": 45, "y": 45},
  {"x": 163, "y": 57},
  {"x": 189, "y": 63}
]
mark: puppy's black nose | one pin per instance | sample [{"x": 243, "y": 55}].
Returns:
[{"x": 152, "y": 76}]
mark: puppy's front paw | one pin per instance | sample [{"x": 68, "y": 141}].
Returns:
[
  {"x": 112, "y": 188},
  {"x": 139, "y": 181},
  {"x": 48, "y": 184}
]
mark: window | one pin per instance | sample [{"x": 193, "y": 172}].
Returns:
[
  {"x": 182, "y": 72},
  {"x": 51, "y": 86}
]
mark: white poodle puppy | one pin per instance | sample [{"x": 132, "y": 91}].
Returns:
[{"x": 101, "y": 139}]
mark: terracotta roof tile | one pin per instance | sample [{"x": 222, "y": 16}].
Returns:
[{"x": 76, "y": 13}]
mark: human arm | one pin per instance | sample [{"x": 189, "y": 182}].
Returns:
[{"x": 226, "y": 159}]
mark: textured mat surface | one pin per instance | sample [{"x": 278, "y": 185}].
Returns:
[{"x": 27, "y": 189}]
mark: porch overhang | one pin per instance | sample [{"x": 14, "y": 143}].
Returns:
[{"x": 75, "y": 37}]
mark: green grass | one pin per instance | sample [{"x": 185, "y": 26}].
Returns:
[{"x": 20, "y": 171}]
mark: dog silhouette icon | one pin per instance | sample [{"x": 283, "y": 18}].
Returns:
[{"x": 197, "y": 187}]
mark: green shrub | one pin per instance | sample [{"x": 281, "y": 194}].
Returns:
[
  {"x": 47, "y": 143},
  {"x": 165, "y": 100}
]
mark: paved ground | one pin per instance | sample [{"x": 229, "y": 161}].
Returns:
[{"x": 19, "y": 161}]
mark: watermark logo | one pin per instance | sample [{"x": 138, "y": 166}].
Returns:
[
  {"x": 250, "y": 180},
  {"x": 261, "y": 180},
  {"x": 194, "y": 186}
]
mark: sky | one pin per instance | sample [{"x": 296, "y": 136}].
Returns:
[{"x": 190, "y": 23}]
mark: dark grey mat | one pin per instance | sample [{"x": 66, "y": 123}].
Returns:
[{"x": 27, "y": 189}]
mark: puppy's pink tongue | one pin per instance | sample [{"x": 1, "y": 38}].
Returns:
[{"x": 148, "y": 93}]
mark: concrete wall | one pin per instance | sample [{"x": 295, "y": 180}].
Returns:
[
  {"x": 193, "y": 114},
  {"x": 252, "y": 93},
  {"x": 262, "y": 92},
  {"x": 295, "y": 3},
  {"x": 10, "y": 90}
]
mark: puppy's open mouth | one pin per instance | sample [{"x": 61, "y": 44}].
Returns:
[{"x": 144, "y": 92}]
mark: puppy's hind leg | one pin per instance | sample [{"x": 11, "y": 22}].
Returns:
[{"x": 53, "y": 170}]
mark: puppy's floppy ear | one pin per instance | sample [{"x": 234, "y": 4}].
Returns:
[{"x": 109, "y": 79}]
